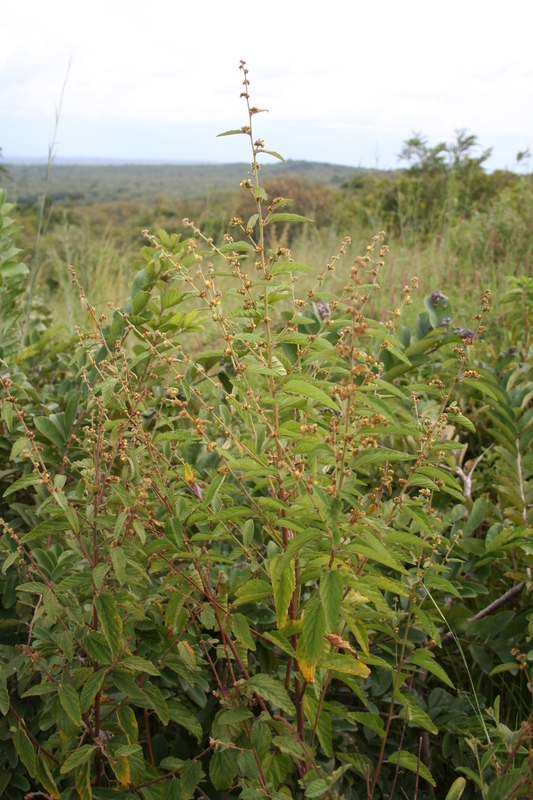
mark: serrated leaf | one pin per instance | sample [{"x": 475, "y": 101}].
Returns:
[
  {"x": 118, "y": 559},
  {"x": 128, "y": 723},
  {"x": 91, "y": 688},
  {"x": 77, "y": 758},
  {"x": 213, "y": 489},
  {"x": 82, "y": 779},
  {"x": 21, "y": 444},
  {"x": 140, "y": 665},
  {"x": 426, "y": 660},
  {"x": 283, "y": 584},
  {"x": 223, "y": 769},
  {"x": 181, "y": 715},
  {"x": 110, "y": 621},
  {"x": 331, "y": 590},
  {"x": 311, "y": 391},
  {"x": 171, "y": 298},
  {"x": 317, "y": 788},
  {"x": 22, "y": 483},
  {"x": 417, "y": 716},
  {"x": 344, "y": 665},
  {"x": 369, "y": 720},
  {"x": 4, "y": 694},
  {"x": 241, "y": 631},
  {"x": 45, "y": 777},
  {"x": 411, "y": 762},
  {"x": 139, "y": 302},
  {"x": 191, "y": 775},
  {"x": 121, "y": 768},
  {"x": 25, "y": 750},
  {"x": 272, "y": 691},
  {"x": 313, "y": 630},
  {"x": 68, "y": 697},
  {"x": 157, "y": 701},
  {"x": 252, "y": 591}
]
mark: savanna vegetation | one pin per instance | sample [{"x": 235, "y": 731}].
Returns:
[{"x": 266, "y": 515}]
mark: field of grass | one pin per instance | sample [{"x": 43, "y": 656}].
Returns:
[{"x": 451, "y": 224}]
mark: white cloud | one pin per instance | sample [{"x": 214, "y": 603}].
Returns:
[{"x": 384, "y": 69}]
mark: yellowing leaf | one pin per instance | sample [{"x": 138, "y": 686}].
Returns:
[
  {"x": 121, "y": 768},
  {"x": 189, "y": 474}
]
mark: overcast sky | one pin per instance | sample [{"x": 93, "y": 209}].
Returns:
[{"x": 345, "y": 81}]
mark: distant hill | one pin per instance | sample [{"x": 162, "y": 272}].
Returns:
[{"x": 98, "y": 182}]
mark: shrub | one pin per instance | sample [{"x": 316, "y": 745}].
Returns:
[{"x": 228, "y": 569}]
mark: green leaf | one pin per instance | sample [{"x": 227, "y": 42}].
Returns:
[
  {"x": 90, "y": 690},
  {"x": 283, "y": 583},
  {"x": 213, "y": 488},
  {"x": 174, "y": 606},
  {"x": 82, "y": 779},
  {"x": 236, "y": 247},
  {"x": 68, "y": 697},
  {"x": 272, "y": 691},
  {"x": 288, "y": 218},
  {"x": 222, "y": 769},
  {"x": 417, "y": 717},
  {"x": 411, "y": 762},
  {"x": 157, "y": 701},
  {"x": 45, "y": 777},
  {"x": 22, "y": 483},
  {"x": 313, "y": 630},
  {"x": 172, "y": 297},
  {"x": 110, "y": 621},
  {"x": 181, "y": 715},
  {"x": 233, "y": 132},
  {"x": 419, "y": 516},
  {"x": 191, "y": 775},
  {"x": 125, "y": 684},
  {"x": 252, "y": 591},
  {"x": 47, "y": 528},
  {"x": 77, "y": 758},
  {"x": 21, "y": 444},
  {"x": 25, "y": 750},
  {"x": 477, "y": 515},
  {"x": 241, "y": 631},
  {"x": 118, "y": 558},
  {"x": 140, "y": 665},
  {"x": 317, "y": 788},
  {"x": 503, "y": 786},
  {"x": 311, "y": 391},
  {"x": 344, "y": 665},
  {"x": 51, "y": 430},
  {"x": 280, "y": 641},
  {"x": 331, "y": 591},
  {"x": 456, "y": 790},
  {"x": 128, "y": 723},
  {"x": 426, "y": 660},
  {"x": 4, "y": 694},
  {"x": 369, "y": 720},
  {"x": 272, "y": 153},
  {"x": 139, "y": 302},
  {"x": 115, "y": 329},
  {"x": 481, "y": 387}
]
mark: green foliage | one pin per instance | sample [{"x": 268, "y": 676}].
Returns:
[{"x": 292, "y": 565}]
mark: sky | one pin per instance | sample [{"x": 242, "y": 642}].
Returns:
[{"x": 344, "y": 81}]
